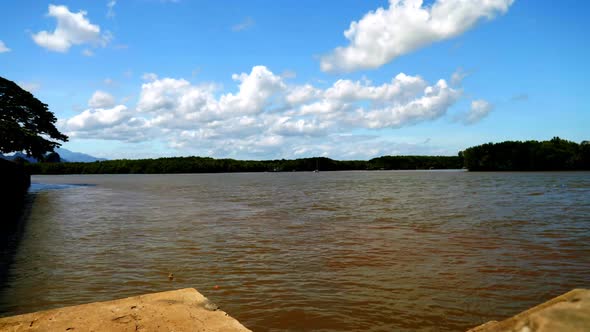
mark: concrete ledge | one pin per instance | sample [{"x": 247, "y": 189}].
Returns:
[
  {"x": 566, "y": 313},
  {"x": 179, "y": 310}
]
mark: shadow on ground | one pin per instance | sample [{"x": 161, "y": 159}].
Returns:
[{"x": 12, "y": 230}]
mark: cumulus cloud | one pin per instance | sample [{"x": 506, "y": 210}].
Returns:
[
  {"x": 116, "y": 123},
  {"x": 384, "y": 34},
  {"x": 4, "y": 48},
  {"x": 479, "y": 110},
  {"x": 255, "y": 91},
  {"x": 91, "y": 119},
  {"x": 434, "y": 103},
  {"x": 101, "y": 99},
  {"x": 301, "y": 94},
  {"x": 72, "y": 29},
  {"x": 264, "y": 115}
]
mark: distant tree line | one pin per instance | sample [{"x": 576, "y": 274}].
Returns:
[
  {"x": 553, "y": 155},
  {"x": 211, "y": 165},
  {"x": 556, "y": 154}
]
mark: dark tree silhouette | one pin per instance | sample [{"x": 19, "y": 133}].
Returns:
[
  {"x": 553, "y": 155},
  {"x": 25, "y": 122},
  {"x": 53, "y": 157},
  {"x": 210, "y": 165}
]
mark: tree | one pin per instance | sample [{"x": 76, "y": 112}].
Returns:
[
  {"x": 556, "y": 154},
  {"x": 26, "y": 124},
  {"x": 53, "y": 157}
]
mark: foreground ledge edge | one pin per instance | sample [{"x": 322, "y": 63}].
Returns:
[
  {"x": 177, "y": 310},
  {"x": 566, "y": 313}
]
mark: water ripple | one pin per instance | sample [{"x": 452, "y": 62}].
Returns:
[{"x": 374, "y": 251}]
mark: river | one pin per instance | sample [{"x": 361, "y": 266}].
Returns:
[{"x": 328, "y": 251}]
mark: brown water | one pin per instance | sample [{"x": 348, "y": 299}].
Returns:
[{"x": 332, "y": 251}]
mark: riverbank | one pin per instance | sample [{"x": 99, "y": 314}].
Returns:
[{"x": 179, "y": 310}]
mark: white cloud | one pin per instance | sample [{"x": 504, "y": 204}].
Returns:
[
  {"x": 111, "y": 8},
  {"x": 255, "y": 91},
  {"x": 91, "y": 119},
  {"x": 246, "y": 24},
  {"x": 345, "y": 146},
  {"x": 101, "y": 99},
  {"x": 265, "y": 116},
  {"x": 116, "y": 123},
  {"x": 288, "y": 126},
  {"x": 433, "y": 104},
  {"x": 303, "y": 93},
  {"x": 179, "y": 103},
  {"x": 384, "y": 34},
  {"x": 4, "y": 48},
  {"x": 401, "y": 88},
  {"x": 479, "y": 110},
  {"x": 72, "y": 29},
  {"x": 87, "y": 52}
]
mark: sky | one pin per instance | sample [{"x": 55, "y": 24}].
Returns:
[{"x": 345, "y": 79}]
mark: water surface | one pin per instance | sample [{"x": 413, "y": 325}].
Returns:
[{"x": 328, "y": 251}]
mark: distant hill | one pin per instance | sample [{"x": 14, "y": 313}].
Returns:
[
  {"x": 17, "y": 155},
  {"x": 65, "y": 154},
  {"x": 76, "y": 157}
]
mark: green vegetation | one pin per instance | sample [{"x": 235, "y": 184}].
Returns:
[
  {"x": 210, "y": 165},
  {"x": 553, "y": 155},
  {"x": 556, "y": 154},
  {"x": 25, "y": 122},
  {"x": 25, "y": 125}
]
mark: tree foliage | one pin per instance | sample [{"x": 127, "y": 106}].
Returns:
[
  {"x": 52, "y": 157},
  {"x": 210, "y": 165},
  {"x": 26, "y": 124},
  {"x": 553, "y": 155}
]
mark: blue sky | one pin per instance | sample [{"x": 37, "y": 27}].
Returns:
[{"x": 262, "y": 79}]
